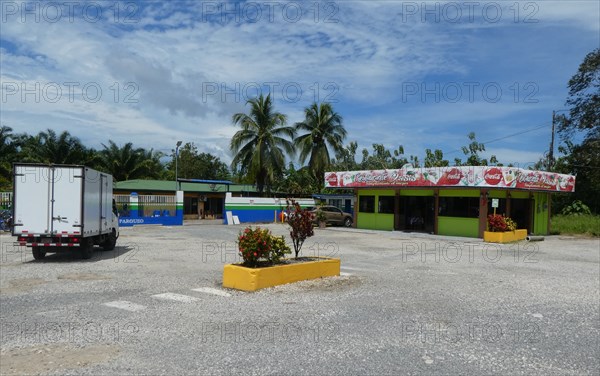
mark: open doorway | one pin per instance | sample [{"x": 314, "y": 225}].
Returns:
[
  {"x": 521, "y": 212},
  {"x": 415, "y": 213},
  {"x": 213, "y": 208}
]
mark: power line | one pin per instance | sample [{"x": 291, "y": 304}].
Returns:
[
  {"x": 584, "y": 166},
  {"x": 508, "y": 136}
]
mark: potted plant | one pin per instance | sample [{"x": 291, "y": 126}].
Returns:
[
  {"x": 263, "y": 254},
  {"x": 502, "y": 229},
  {"x": 321, "y": 218}
]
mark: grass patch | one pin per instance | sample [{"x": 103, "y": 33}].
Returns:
[{"x": 576, "y": 224}]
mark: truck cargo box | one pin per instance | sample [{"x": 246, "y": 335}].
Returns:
[{"x": 60, "y": 200}]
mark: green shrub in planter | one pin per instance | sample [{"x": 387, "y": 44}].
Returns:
[{"x": 257, "y": 245}]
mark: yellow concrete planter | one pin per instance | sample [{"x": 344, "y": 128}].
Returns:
[
  {"x": 504, "y": 237},
  {"x": 251, "y": 279}
]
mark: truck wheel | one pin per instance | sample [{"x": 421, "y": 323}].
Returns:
[
  {"x": 38, "y": 254},
  {"x": 110, "y": 242},
  {"x": 348, "y": 222},
  {"x": 87, "y": 248}
]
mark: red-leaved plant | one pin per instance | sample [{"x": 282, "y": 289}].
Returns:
[
  {"x": 500, "y": 223},
  {"x": 301, "y": 224}
]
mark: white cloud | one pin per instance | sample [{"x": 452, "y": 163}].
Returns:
[{"x": 172, "y": 56}]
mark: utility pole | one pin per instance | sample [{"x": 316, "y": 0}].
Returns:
[
  {"x": 176, "y": 161},
  {"x": 551, "y": 152}
]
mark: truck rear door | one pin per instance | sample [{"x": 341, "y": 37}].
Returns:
[
  {"x": 67, "y": 195},
  {"x": 47, "y": 199},
  {"x": 105, "y": 204},
  {"x": 32, "y": 191}
]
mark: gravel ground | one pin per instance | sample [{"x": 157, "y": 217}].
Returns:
[{"x": 404, "y": 304}]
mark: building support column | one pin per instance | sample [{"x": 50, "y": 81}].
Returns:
[
  {"x": 397, "y": 210},
  {"x": 549, "y": 199},
  {"x": 355, "y": 213},
  {"x": 531, "y": 213},
  {"x": 483, "y": 211},
  {"x": 436, "y": 208}
]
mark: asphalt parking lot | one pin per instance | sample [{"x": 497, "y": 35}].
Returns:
[{"x": 404, "y": 304}]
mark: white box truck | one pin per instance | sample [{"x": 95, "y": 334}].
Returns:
[{"x": 63, "y": 207}]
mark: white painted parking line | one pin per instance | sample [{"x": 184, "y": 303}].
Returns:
[
  {"x": 176, "y": 297},
  {"x": 127, "y": 306},
  {"x": 343, "y": 274},
  {"x": 210, "y": 290},
  {"x": 56, "y": 313},
  {"x": 352, "y": 268}
]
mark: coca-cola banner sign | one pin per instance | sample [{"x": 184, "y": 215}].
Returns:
[{"x": 462, "y": 176}]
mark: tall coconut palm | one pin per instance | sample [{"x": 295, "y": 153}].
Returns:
[
  {"x": 260, "y": 146},
  {"x": 324, "y": 130}
]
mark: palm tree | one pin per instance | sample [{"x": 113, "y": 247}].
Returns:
[
  {"x": 8, "y": 152},
  {"x": 260, "y": 145},
  {"x": 324, "y": 130},
  {"x": 48, "y": 147},
  {"x": 125, "y": 163}
]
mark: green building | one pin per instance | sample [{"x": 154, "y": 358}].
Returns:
[
  {"x": 201, "y": 199},
  {"x": 451, "y": 200}
]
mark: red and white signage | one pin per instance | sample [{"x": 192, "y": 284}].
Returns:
[{"x": 460, "y": 176}]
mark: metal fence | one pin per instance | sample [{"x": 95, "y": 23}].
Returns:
[
  {"x": 148, "y": 205},
  {"x": 5, "y": 200},
  {"x": 157, "y": 206},
  {"x": 123, "y": 205}
]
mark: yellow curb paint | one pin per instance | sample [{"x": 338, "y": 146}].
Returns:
[{"x": 504, "y": 237}]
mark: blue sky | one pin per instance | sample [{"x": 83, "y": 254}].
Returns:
[{"x": 417, "y": 74}]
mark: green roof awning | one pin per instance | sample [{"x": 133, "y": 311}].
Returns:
[{"x": 169, "y": 186}]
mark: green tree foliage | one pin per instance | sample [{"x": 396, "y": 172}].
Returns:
[
  {"x": 382, "y": 158},
  {"x": 584, "y": 99},
  {"x": 123, "y": 162},
  {"x": 471, "y": 151},
  {"x": 322, "y": 130},
  {"x": 584, "y": 118},
  {"x": 127, "y": 162},
  {"x": 345, "y": 159},
  {"x": 297, "y": 182},
  {"x": 583, "y": 161},
  {"x": 260, "y": 146},
  {"x": 435, "y": 158},
  {"x": 50, "y": 147},
  {"x": 8, "y": 151},
  {"x": 195, "y": 165}
]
